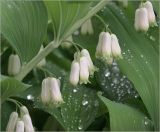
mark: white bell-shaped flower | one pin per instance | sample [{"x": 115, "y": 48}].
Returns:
[
  {"x": 43, "y": 61},
  {"x": 55, "y": 92},
  {"x": 28, "y": 123},
  {"x": 84, "y": 70},
  {"x": 86, "y": 54},
  {"x": 106, "y": 45},
  {"x": 74, "y": 74},
  {"x": 20, "y": 126},
  {"x": 150, "y": 11},
  {"x": 12, "y": 122},
  {"x": 99, "y": 46},
  {"x": 116, "y": 50},
  {"x": 45, "y": 93},
  {"x": 141, "y": 20},
  {"x": 87, "y": 27},
  {"x": 14, "y": 65}
]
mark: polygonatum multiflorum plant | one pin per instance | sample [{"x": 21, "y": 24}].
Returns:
[{"x": 72, "y": 65}]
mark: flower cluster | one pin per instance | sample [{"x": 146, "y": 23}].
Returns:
[
  {"x": 87, "y": 27},
  {"x": 108, "y": 47},
  {"x": 144, "y": 17},
  {"x": 51, "y": 91},
  {"x": 20, "y": 124},
  {"x": 81, "y": 68},
  {"x": 14, "y": 65}
]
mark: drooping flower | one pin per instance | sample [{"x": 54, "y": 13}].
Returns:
[
  {"x": 74, "y": 74},
  {"x": 20, "y": 126},
  {"x": 28, "y": 123},
  {"x": 92, "y": 68},
  {"x": 141, "y": 20},
  {"x": 87, "y": 27},
  {"x": 14, "y": 65},
  {"x": 116, "y": 50},
  {"x": 99, "y": 46},
  {"x": 56, "y": 96},
  {"x": 150, "y": 11},
  {"x": 51, "y": 91},
  {"x": 45, "y": 93},
  {"x": 84, "y": 70},
  {"x": 43, "y": 61},
  {"x": 12, "y": 122}
]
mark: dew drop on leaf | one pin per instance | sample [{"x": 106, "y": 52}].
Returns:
[{"x": 84, "y": 102}]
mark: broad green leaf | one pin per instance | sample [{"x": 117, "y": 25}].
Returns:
[
  {"x": 79, "y": 110},
  {"x": 11, "y": 87},
  {"x": 125, "y": 118},
  {"x": 24, "y": 25},
  {"x": 140, "y": 60},
  {"x": 67, "y": 16}
]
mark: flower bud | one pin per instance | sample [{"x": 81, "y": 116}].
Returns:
[
  {"x": 116, "y": 50},
  {"x": 67, "y": 44},
  {"x": 87, "y": 27},
  {"x": 20, "y": 126},
  {"x": 86, "y": 54},
  {"x": 14, "y": 65},
  {"x": 55, "y": 92},
  {"x": 74, "y": 75},
  {"x": 24, "y": 110},
  {"x": 12, "y": 122},
  {"x": 84, "y": 70},
  {"x": 43, "y": 61},
  {"x": 150, "y": 11},
  {"x": 141, "y": 20},
  {"x": 28, "y": 123},
  {"x": 106, "y": 45},
  {"x": 99, "y": 46},
  {"x": 45, "y": 93}
]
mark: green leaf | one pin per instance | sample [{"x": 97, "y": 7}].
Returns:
[
  {"x": 67, "y": 16},
  {"x": 139, "y": 61},
  {"x": 24, "y": 25},
  {"x": 79, "y": 110},
  {"x": 126, "y": 118},
  {"x": 11, "y": 87}
]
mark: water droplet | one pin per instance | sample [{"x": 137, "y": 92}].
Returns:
[
  {"x": 141, "y": 56},
  {"x": 74, "y": 90},
  {"x": 107, "y": 74},
  {"x": 84, "y": 102},
  {"x": 30, "y": 97},
  {"x": 80, "y": 127}
]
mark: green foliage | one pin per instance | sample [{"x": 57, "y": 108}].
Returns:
[
  {"x": 24, "y": 25},
  {"x": 125, "y": 118},
  {"x": 130, "y": 103},
  {"x": 11, "y": 87}
]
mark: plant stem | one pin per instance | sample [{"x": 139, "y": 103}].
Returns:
[
  {"x": 54, "y": 44},
  {"x": 28, "y": 67}
]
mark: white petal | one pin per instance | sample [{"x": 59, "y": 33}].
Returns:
[
  {"x": 20, "y": 126},
  {"x": 84, "y": 70},
  {"x": 12, "y": 122},
  {"x": 74, "y": 75},
  {"x": 14, "y": 65},
  {"x": 150, "y": 11},
  {"x": 28, "y": 123}
]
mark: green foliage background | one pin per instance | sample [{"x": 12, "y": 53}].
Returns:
[{"x": 133, "y": 106}]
